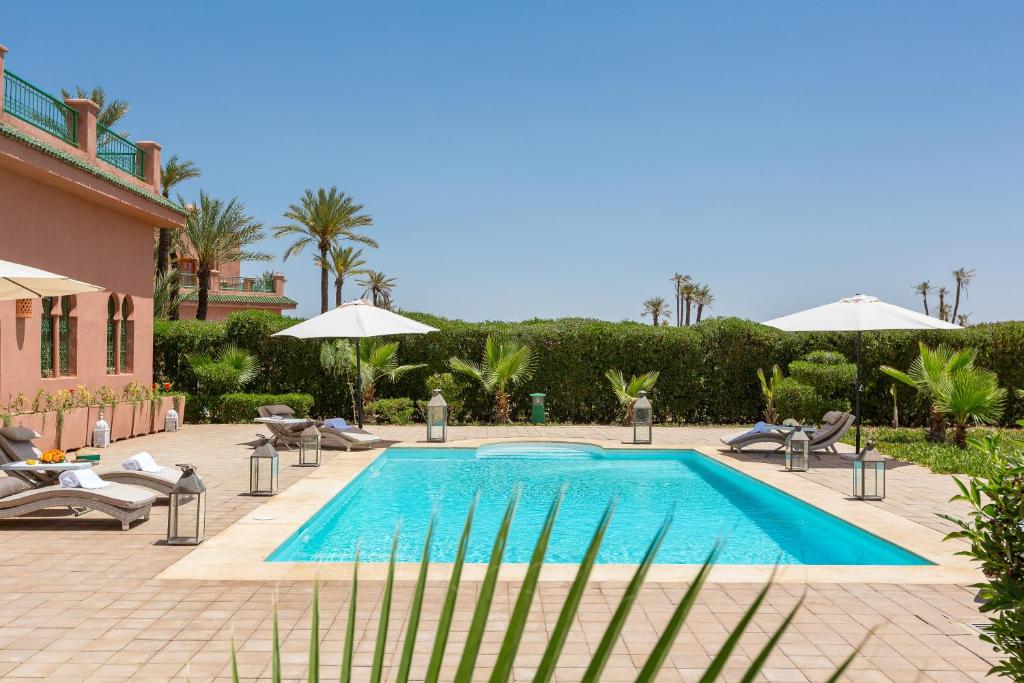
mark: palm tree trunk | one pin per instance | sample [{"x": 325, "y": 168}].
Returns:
[
  {"x": 337, "y": 292},
  {"x": 956, "y": 302},
  {"x": 172, "y": 313},
  {"x": 936, "y": 426},
  {"x": 163, "y": 251},
  {"x": 688, "y": 301},
  {"x": 501, "y": 407},
  {"x": 654, "y": 318},
  {"x": 204, "y": 293},
  {"x": 678, "y": 310},
  {"x": 960, "y": 435},
  {"x": 700, "y": 311},
  {"x": 324, "y": 279},
  {"x": 925, "y": 298}
]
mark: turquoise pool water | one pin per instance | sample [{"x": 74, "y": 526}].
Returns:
[{"x": 759, "y": 524}]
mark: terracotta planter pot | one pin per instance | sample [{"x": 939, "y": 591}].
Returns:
[
  {"x": 121, "y": 421},
  {"x": 76, "y": 429},
  {"x": 142, "y": 417},
  {"x": 48, "y": 430}
]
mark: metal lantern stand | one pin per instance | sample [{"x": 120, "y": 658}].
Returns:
[
  {"x": 437, "y": 418},
  {"x": 186, "y": 509},
  {"x": 869, "y": 474},
  {"x": 264, "y": 471},
  {"x": 643, "y": 419},
  {"x": 309, "y": 447},
  {"x": 798, "y": 451}
]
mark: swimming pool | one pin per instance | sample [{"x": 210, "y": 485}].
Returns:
[{"x": 759, "y": 524}]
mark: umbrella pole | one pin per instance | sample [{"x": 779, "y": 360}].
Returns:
[
  {"x": 857, "y": 387},
  {"x": 358, "y": 385}
]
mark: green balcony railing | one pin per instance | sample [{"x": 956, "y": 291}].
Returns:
[
  {"x": 189, "y": 280},
  {"x": 32, "y": 105},
  {"x": 246, "y": 284},
  {"x": 118, "y": 152}
]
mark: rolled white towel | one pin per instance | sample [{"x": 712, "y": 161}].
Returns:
[
  {"x": 81, "y": 479},
  {"x": 141, "y": 462}
]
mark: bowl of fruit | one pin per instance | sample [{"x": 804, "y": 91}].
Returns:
[{"x": 53, "y": 456}]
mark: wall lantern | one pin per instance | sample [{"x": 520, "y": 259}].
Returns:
[
  {"x": 186, "y": 509},
  {"x": 437, "y": 418},
  {"x": 869, "y": 474},
  {"x": 309, "y": 447},
  {"x": 264, "y": 471},
  {"x": 643, "y": 419},
  {"x": 798, "y": 451},
  {"x": 101, "y": 432}
]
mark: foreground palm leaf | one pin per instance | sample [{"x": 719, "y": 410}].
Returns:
[{"x": 467, "y": 668}]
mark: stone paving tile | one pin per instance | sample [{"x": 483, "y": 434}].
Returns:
[{"x": 81, "y": 602}]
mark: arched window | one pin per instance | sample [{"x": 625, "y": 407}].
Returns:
[
  {"x": 127, "y": 334},
  {"x": 111, "y": 334},
  {"x": 46, "y": 338},
  {"x": 67, "y": 337}
]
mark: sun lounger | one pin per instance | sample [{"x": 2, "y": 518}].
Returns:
[
  {"x": 348, "y": 438},
  {"x": 162, "y": 482},
  {"x": 124, "y": 503},
  {"x": 834, "y": 426}
]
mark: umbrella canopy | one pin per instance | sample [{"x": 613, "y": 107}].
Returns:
[
  {"x": 858, "y": 314},
  {"x": 355, "y": 319},
  {"x": 25, "y": 282}
]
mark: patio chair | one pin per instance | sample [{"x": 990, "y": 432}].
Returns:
[
  {"x": 286, "y": 435},
  {"x": 162, "y": 482},
  {"x": 16, "y": 445},
  {"x": 347, "y": 437},
  {"x": 122, "y": 502},
  {"x": 834, "y": 425}
]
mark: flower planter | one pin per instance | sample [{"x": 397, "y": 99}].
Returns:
[
  {"x": 30, "y": 420},
  {"x": 48, "y": 429},
  {"x": 142, "y": 417},
  {"x": 121, "y": 420},
  {"x": 76, "y": 429}
]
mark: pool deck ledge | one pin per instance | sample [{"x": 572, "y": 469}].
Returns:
[{"x": 240, "y": 550}]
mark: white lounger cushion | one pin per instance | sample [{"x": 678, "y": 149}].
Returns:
[
  {"x": 119, "y": 495},
  {"x": 358, "y": 437}
]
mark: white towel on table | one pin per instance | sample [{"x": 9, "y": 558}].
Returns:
[
  {"x": 141, "y": 462},
  {"x": 81, "y": 479}
]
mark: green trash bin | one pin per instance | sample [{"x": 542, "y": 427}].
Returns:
[{"x": 537, "y": 408}]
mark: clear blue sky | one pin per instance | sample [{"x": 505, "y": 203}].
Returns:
[{"x": 548, "y": 159}]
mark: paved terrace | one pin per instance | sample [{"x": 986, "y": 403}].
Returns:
[{"x": 81, "y": 602}]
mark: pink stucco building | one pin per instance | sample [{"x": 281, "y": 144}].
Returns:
[
  {"x": 230, "y": 292},
  {"x": 79, "y": 200}
]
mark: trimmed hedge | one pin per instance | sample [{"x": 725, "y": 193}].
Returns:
[
  {"x": 707, "y": 370},
  {"x": 242, "y": 407}
]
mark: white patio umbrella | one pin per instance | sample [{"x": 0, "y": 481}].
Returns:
[
  {"x": 25, "y": 282},
  {"x": 355, "y": 319},
  {"x": 858, "y": 314}
]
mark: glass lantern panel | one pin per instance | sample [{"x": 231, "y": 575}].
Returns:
[{"x": 186, "y": 520}]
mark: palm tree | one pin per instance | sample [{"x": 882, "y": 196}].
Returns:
[
  {"x": 702, "y": 297},
  {"x": 963, "y": 320},
  {"x": 924, "y": 289},
  {"x": 928, "y": 373},
  {"x": 219, "y": 232},
  {"x": 688, "y": 291},
  {"x": 970, "y": 395},
  {"x": 680, "y": 282},
  {"x": 628, "y": 392},
  {"x": 943, "y": 307},
  {"x": 768, "y": 391},
  {"x": 323, "y": 219},
  {"x": 378, "y": 360},
  {"x": 962, "y": 276},
  {"x": 656, "y": 308},
  {"x": 110, "y": 112},
  {"x": 173, "y": 173},
  {"x": 166, "y": 294},
  {"x": 506, "y": 364},
  {"x": 379, "y": 286},
  {"x": 343, "y": 262}
]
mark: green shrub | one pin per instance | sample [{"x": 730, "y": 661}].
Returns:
[
  {"x": 996, "y": 534},
  {"x": 242, "y": 407},
  {"x": 708, "y": 371},
  {"x": 391, "y": 411},
  {"x": 797, "y": 401},
  {"x": 828, "y": 372},
  {"x": 194, "y": 410}
]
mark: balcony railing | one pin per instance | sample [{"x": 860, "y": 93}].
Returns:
[
  {"x": 246, "y": 284},
  {"x": 189, "y": 280},
  {"x": 32, "y": 105},
  {"x": 118, "y": 152}
]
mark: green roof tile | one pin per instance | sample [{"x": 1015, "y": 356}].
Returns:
[{"x": 222, "y": 298}]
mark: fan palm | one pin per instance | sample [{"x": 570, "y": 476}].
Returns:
[
  {"x": 323, "y": 219},
  {"x": 231, "y": 370},
  {"x": 656, "y": 308},
  {"x": 680, "y": 281},
  {"x": 469, "y": 667},
  {"x": 970, "y": 395},
  {"x": 173, "y": 173},
  {"x": 702, "y": 297},
  {"x": 343, "y": 262},
  {"x": 506, "y": 364},
  {"x": 628, "y": 392},
  {"x": 924, "y": 289},
  {"x": 219, "y": 232},
  {"x": 378, "y": 286},
  {"x": 378, "y": 360},
  {"x": 962, "y": 277},
  {"x": 927, "y": 373}
]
